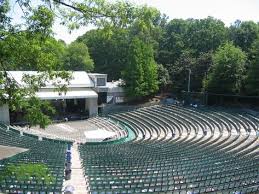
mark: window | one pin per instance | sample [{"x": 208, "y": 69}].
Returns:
[{"x": 101, "y": 82}]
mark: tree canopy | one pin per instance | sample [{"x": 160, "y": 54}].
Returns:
[
  {"x": 226, "y": 74},
  {"x": 31, "y": 46},
  {"x": 178, "y": 45},
  {"x": 252, "y": 80},
  {"x": 77, "y": 58},
  {"x": 140, "y": 74},
  {"x": 128, "y": 42}
]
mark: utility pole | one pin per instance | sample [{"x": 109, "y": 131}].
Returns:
[{"x": 189, "y": 80}]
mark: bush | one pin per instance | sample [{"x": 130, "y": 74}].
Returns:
[{"x": 25, "y": 172}]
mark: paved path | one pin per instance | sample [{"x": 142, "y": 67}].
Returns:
[
  {"x": 8, "y": 151},
  {"x": 77, "y": 177}
]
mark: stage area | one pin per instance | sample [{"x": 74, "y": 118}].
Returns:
[{"x": 95, "y": 129}]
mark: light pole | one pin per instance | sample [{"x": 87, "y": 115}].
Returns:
[{"x": 189, "y": 80}]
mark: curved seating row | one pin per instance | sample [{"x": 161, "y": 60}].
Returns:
[
  {"x": 178, "y": 150},
  {"x": 48, "y": 152}
]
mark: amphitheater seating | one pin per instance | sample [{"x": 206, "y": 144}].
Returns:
[
  {"x": 177, "y": 150},
  {"x": 48, "y": 152}
]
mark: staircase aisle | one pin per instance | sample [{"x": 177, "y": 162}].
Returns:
[{"x": 77, "y": 180}]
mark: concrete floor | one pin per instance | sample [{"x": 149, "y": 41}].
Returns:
[{"x": 7, "y": 151}]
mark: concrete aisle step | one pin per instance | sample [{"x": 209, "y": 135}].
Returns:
[{"x": 77, "y": 180}]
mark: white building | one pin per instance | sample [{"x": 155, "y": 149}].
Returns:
[
  {"x": 85, "y": 92},
  {"x": 79, "y": 98},
  {"x": 108, "y": 92}
]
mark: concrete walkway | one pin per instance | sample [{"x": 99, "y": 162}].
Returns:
[
  {"x": 9, "y": 151},
  {"x": 77, "y": 180}
]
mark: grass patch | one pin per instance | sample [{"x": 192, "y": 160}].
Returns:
[{"x": 27, "y": 172}]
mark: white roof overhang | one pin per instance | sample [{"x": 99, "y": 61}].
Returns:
[{"x": 51, "y": 95}]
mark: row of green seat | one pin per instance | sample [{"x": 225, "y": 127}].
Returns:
[
  {"x": 47, "y": 152},
  {"x": 177, "y": 150}
]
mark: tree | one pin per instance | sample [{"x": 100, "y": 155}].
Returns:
[
  {"x": 149, "y": 26},
  {"x": 252, "y": 81},
  {"x": 163, "y": 77},
  {"x": 179, "y": 71},
  {"x": 243, "y": 34},
  {"x": 227, "y": 71},
  {"x": 172, "y": 43},
  {"x": 108, "y": 49},
  {"x": 4, "y": 19},
  {"x": 195, "y": 35},
  {"x": 140, "y": 75},
  {"x": 26, "y": 51},
  {"x": 205, "y": 35},
  {"x": 150, "y": 70},
  {"x": 100, "y": 13},
  {"x": 200, "y": 70},
  {"x": 108, "y": 45},
  {"x": 77, "y": 58},
  {"x": 28, "y": 46}
]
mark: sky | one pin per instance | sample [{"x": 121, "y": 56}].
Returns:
[{"x": 226, "y": 10}]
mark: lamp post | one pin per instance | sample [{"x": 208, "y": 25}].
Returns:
[{"x": 189, "y": 80}]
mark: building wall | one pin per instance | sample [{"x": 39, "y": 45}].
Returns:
[
  {"x": 117, "y": 97},
  {"x": 4, "y": 114},
  {"x": 91, "y": 106},
  {"x": 95, "y": 76}
]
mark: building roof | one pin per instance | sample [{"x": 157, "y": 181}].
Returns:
[
  {"x": 97, "y": 74},
  {"x": 79, "y": 79},
  {"x": 53, "y": 95}
]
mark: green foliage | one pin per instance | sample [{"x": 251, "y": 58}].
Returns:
[
  {"x": 173, "y": 41},
  {"x": 77, "y": 58},
  {"x": 37, "y": 112},
  {"x": 127, "y": 40},
  {"x": 180, "y": 69},
  {"x": 205, "y": 35},
  {"x": 41, "y": 21},
  {"x": 4, "y": 19},
  {"x": 189, "y": 44},
  {"x": 147, "y": 26},
  {"x": 31, "y": 48},
  {"x": 243, "y": 34},
  {"x": 198, "y": 36},
  {"x": 227, "y": 72},
  {"x": 163, "y": 76},
  {"x": 252, "y": 81},
  {"x": 200, "y": 70},
  {"x": 100, "y": 13},
  {"x": 140, "y": 75},
  {"x": 26, "y": 51},
  {"x": 27, "y": 172},
  {"x": 108, "y": 46},
  {"x": 108, "y": 49}
]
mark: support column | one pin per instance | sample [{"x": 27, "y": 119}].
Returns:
[
  {"x": 92, "y": 106},
  {"x": 4, "y": 114}
]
